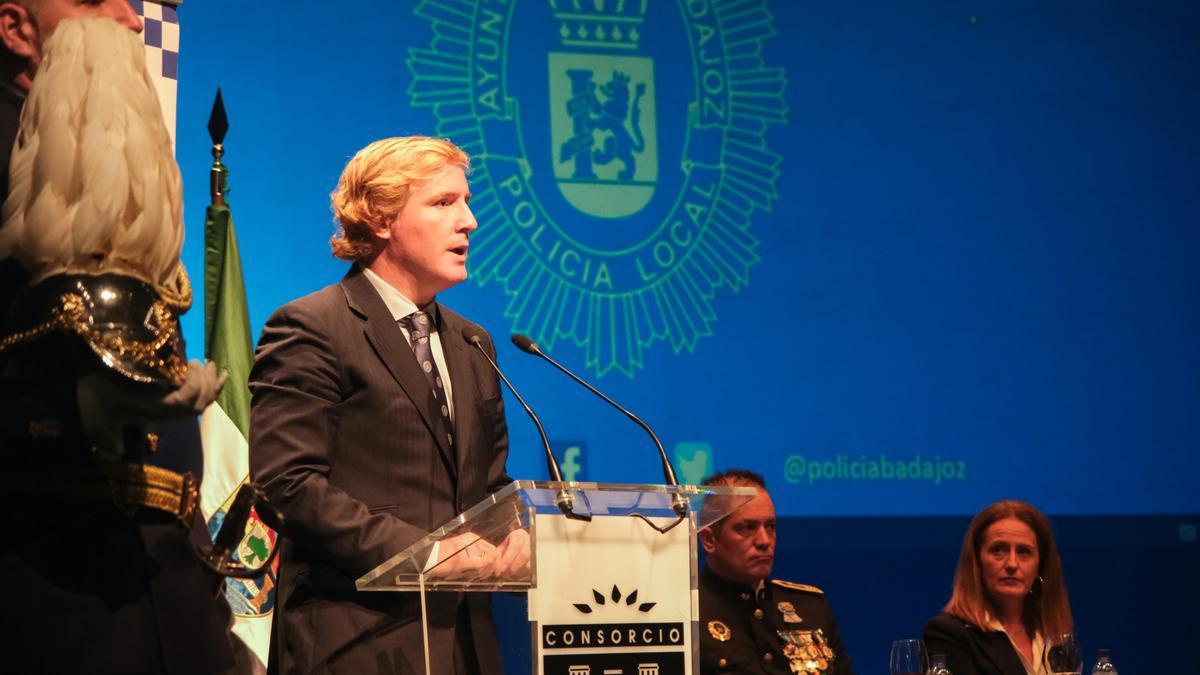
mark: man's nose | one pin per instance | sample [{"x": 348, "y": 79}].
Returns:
[
  {"x": 762, "y": 538},
  {"x": 467, "y": 220}
]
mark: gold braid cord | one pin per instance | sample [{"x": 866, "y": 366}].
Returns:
[
  {"x": 126, "y": 486},
  {"x": 69, "y": 316},
  {"x": 177, "y": 292},
  {"x": 156, "y": 488}
]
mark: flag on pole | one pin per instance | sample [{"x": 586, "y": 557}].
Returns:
[{"x": 225, "y": 425}]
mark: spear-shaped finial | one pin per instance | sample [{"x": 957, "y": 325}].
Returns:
[{"x": 218, "y": 124}]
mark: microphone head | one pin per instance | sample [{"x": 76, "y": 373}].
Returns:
[
  {"x": 526, "y": 344},
  {"x": 471, "y": 336}
]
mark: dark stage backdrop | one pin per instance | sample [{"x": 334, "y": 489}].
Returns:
[{"x": 904, "y": 259}]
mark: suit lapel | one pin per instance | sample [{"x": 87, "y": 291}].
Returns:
[
  {"x": 462, "y": 381},
  {"x": 386, "y": 338}
]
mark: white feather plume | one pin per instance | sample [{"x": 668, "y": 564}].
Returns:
[{"x": 94, "y": 185}]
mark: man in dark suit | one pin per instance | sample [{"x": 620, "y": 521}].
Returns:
[
  {"x": 752, "y": 624},
  {"x": 374, "y": 421}
]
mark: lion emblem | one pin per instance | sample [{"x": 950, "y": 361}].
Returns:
[{"x": 612, "y": 123}]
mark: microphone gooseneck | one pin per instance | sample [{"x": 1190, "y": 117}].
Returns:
[
  {"x": 678, "y": 502},
  {"x": 564, "y": 501}
]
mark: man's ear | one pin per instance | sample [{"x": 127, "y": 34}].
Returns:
[
  {"x": 17, "y": 31},
  {"x": 381, "y": 228},
  {"x": 708, "y": 540}
]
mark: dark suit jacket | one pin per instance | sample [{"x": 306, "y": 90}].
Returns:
[
  {"x": 346, "y": 439},
  {"x": 969, "y": 650}
]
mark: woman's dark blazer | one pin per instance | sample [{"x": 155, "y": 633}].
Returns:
[{"x": 970, "y": 650}]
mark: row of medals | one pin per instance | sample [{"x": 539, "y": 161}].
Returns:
[{"x": 807, "y": 651}]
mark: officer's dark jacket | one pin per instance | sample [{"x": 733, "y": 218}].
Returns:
[{"x": 744, "y": 630}]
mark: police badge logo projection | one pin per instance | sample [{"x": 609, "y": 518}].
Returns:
[{"x": 620, "y": 159}]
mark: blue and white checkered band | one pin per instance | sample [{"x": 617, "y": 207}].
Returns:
[
  {"x": 161, "y": 35},
  {"x": 161, "y": 38}
]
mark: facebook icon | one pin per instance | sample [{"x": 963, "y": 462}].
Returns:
[{"x": 572, "y": 456}]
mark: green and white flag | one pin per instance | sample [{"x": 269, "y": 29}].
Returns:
[{"x": 224, "y": 430}]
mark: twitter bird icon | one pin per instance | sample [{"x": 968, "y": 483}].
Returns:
[{"x": 695, "y": 460}]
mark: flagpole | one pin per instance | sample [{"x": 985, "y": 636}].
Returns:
[
  {"x": 218, "y": 125},
  {"x": 243, "y": 546}
]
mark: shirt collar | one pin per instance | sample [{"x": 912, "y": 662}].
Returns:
[
  {"x": 1038, "y": 641},
  {"x": 399, "y": 305},
  {"x": 721, "y": 582}
]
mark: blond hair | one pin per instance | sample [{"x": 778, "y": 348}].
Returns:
[
  {"x": 1047, "y": 608},
  {"x": 375, "y": 186}
]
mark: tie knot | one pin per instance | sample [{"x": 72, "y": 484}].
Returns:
[{"x": 418, "y": 324}]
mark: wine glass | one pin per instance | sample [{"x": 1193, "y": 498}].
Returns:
[
  {"x": 909, "y": 658},
  {"x": 1063, "y": 655}
]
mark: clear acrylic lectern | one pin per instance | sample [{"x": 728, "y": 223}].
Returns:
[{"x": 611, "y": 588}]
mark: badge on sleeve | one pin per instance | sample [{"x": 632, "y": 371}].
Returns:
[
  {"x": 719, "y": 631},
  {"x": 788, "y": 610}
]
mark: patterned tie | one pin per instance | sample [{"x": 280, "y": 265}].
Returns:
[{"x": 419, "y": 325}]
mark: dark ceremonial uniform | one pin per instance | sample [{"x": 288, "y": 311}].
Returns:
[
  {"x": 12, "y": 99},
  {"x": 778, "y": 628},
  {"x": 95, "y": 580}
]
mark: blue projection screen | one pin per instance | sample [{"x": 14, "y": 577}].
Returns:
[{"x": 903, "y": 259}]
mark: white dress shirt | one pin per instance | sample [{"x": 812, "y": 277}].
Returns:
[
  {"x": 1038, "y": 642},
  {"x": 401, "y": 307}
]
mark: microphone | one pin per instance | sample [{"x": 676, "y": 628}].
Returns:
[
  {"x": 678, "y": 503},
  {"x": 564, "y": 501}
]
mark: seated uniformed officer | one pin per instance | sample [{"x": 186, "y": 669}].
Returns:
[{"x": 752, "y": 624}]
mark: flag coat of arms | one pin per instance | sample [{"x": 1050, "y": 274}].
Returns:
[{"x": 224, "y": 428}]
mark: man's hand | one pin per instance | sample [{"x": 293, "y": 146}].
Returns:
[
  {"x": 108, "y": 402},
  {"x": 116, "y": 401},
  {"x": 512, "y": 557},
  {"x": 200, "y": 387},
  {"x": 464, "y": 556}
]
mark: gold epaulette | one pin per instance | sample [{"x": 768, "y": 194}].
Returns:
[{"x": 797, "y": 587}]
